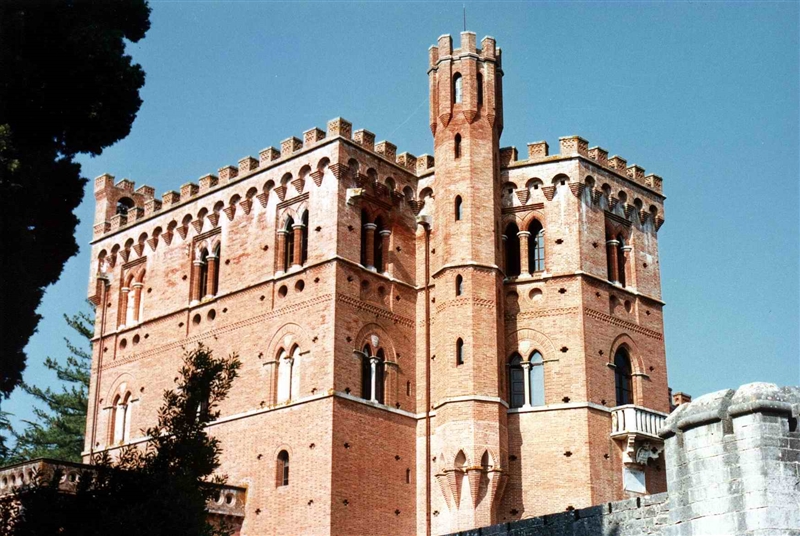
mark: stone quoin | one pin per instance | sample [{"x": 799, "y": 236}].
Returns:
[{"x": 429, "y": 344}]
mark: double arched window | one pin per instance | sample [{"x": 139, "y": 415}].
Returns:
[
  {"x": 616, "y": 255},
  {"x": 293, "y": 243},
  {"x": 375, "y": 236},
  {"x": 373, "y": 370},
  {"x": 524, "y": 249},
  {"x": 287, "y": 374},
  {"x": 623, "y": 377},
  {"x": 205, "y": 274},
  {"x": 130, "y": 303},
  {"x": 526, "y": 380},
  {"x": 119, "y": 432}
]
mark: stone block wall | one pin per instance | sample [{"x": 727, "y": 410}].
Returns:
[{"x": 733, "y": 468}]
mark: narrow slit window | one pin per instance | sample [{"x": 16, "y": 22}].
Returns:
[
  {"x": 460, "y": 352},
  {"x": 457, "y": 88},
  {"x": 457, "y": 146},
  {"x": 283, "y": 468},
  {"x": 459, "y": 285},
  {"x": 459, "y": 203}
]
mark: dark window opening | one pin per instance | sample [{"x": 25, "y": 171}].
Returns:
[
  {"x": 516, "y": 382},
  {"x": 458, "y": 83},
  {"x": 623, "y": 377},
  {"x": 480, "y": 89},
  {"x": 459, "y": 285},
  {"x": 458, "y": 207},
  {"x": 366, "y": 375},
  {"x": 289, "y": 253},
  {"x": 459, "y": 352},
  {"x": 457, "y": 146},
  {"x": 283, "y": 468},
  {"x": 512, "y": 250},
  {"x": 536, "y": 247},
  {"x": 304, "y": 256}
]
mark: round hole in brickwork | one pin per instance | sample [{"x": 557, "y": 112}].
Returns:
[
  {"x": 184, "y": 278},
  {"x": 300, "y": 285},
  {"x": 347, "y": 445},
  {"x": 398, "y": 249},
  {"x": 564, "y": 349},
  {"x": 123, "y": 343},
  {"x": 597, "y": 294},
  {"x": 312, "y": 446},
  {"x": 135, "y": 339},
  {"x": 105, "y": 348},
  {"x": 347, "y": 390},
  {"x": 180, "y": 324},
  {"x": 349, "y": 278},
  {"x": 262, "y": 298},
  {"x": 562, "y": 291},
  {"x": 146, "y": 335},
  {"x": 149, "y": 290},
  {"x": 316, "y": 280},
  {"x": 651, "y": 369},
  {"x": 628, "y": 306},
  {"x": 603, "y": 402},
  {"x": 512, "y": 458},
  {"x": 397, "y": 512},
  {"x": 282, "y": 291},
  {"x": 647, "y": 313},
  {"x": 108, "y": 304},
  {"x": 535, "y": 294},
  {"x": 433, "y": 300},
  {"x": 644, "y": 265},
  {"x": 212, "y": 314},
  {"x": 224, "y": 309},
  {"x": 317, "y": 228},
  {"x": 595, "y": 244},
  {"x": 350, "y": 228},
  {"x": 141, "y": 389},
  {"x": 565, "y": 400},
  {"x": 560, "y": 241},
  {"x": 397, "y": 297},
  {"x": 397, "y": 457},
  {"x": 606, "y": 456},
  {"x": 227, "y": 262},
  {"x": 514, "y": 511},
  {"x": 265, "y": 247},
  {"x": 345, "y": 502},
  {"x": 196, "y": 319}
]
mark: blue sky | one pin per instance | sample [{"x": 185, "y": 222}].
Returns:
[{"x": 703, "y": 94}]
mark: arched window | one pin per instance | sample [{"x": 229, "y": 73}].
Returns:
[
  {"x": 120, "y": 419},
  {"x": 203, "y": 273},
  {"x": 289, "y": 253},
  {"x": 480, "y": 89},
  {"x": 536, "y": 247},
  {"x": 460, "y": 352},
  {"x": 621, "y": 260},
  {"x": 364, "y": 222},
  {"x": 378, "y": 245},
  {"x": 516, "y": 382},
  {"x": 366, "y": 374},
  {"x": 457, "y": 146},
  {"x": 124, "y": 204},
  {"x": 623, "y": 377},
  {"x": 536, "y": 378},
  {"x": 380, "y": 367},
  {"x": 459, "y": 285},
  {"x": 457, "y": 88},
  {"x": 373, "y": 372},
  {"x": 282, "y": 473},
  {"x": 458, "y": 207},
  {"x": 304, "y": 255},
  {"x": 285, "y": 374},
  {"x": 511, "y": 239}
]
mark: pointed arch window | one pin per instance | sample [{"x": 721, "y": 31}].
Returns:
[
  {"x": 512, "y": 260},
  {"x": 457, "y": 146},
  {"x": 536, "y": 378},
  {"x": 623, "y": 377},
  {"x": 458, "y": 207},
  {"x": 286, "y": 373},
  {"x": 516, "y": 382},
  {"x": 282, "y": 472},
  {"x": 460, "y": 351},
  {"x": 480, "y": 89},
  {"x": 289, "y": 249},
  {"x": 458, "y": 83},
  {"x": 536, "y": 247},
  {"x": 459, "y": 285},
  {"x": 120, "y": 419},
  {"x": 373, "y": 373}
]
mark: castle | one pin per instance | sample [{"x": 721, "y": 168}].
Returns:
[{"x": 429, "y": 344}]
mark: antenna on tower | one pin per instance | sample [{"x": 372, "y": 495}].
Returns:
[{"x": 464, "y": 6}]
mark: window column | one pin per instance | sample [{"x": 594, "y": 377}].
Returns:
[
  {"x": 624, "y": 269},
  {"x": 122, "y": 314},
  {"x": 281, "y": 268},
  {"x": 613, "y": 260},
  {"x": 298, "y": 245},
  {"x": 524, "y": 236},
  {"x": 504, "y": 254},
  {"x": 197, "y": 283},
  {"x": 369, "y": 245},
  {"x": 526, "y": 370},
  {"x": 373, "y": 361},
  {"x": 385, "y": 234},
  {"x": 211, "y": 275},
  {"x": 137, "y": 300}
]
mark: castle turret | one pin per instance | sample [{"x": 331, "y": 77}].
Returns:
[{"x": 469, "y": 428}]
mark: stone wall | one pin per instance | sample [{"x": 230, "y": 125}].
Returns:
[{"x": 733, "y": 468}]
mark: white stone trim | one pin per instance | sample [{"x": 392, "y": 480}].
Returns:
[{"x": 558, "y": 407}]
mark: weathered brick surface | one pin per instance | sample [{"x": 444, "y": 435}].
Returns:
[{"x": 332, "y": 305}]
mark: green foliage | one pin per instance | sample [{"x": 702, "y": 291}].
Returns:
[
  {"x": 159, "y": 490},
  {"x": 59, "y": 430},
  {"x": 66, "y": 87}
]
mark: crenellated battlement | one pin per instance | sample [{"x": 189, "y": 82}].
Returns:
[
  {"x": 571, "y": 146},
  {"x": 468, "y": 46},
  {"x": 121, "y": 204}
]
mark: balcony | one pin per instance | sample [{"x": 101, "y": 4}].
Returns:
[{"x": 638, "y": 421}]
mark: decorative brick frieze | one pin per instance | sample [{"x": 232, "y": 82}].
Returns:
[
  {"x": 213, "y": 218},
  {"x": 339, "y": 170},
  {"x": 170, "y": 198},
  {"x": 549, "y": 192},
  {"x": 147, "y": 192},
  {"x": 263, "y": 199},
  {"x": 188, "y": 190},
  {"x": 538, "y": 150},
  {"x": 126, "y": 185},
  {"x": 340, "y": 127},
  {"x": 635, "y": 173},
  {"x": 599, "y": 155},
  {"x": 151, "y": 206},
  {"x": 618, "y": 163},
  {"x": 317, "y": 176},
  {"x": 654, "y": 182},
  {"x": 290, "y": 145},
  {"x": 312, "y": 136},
  {"x": 280, "y": 191},
  {"x": 573, "y": 145},
  {"x": 247, "y": 164},
  {"x": 298, "y": 184},
  {"x": 408, "y": 161},
  {"x": 424, "y": 163},
  {"x": 508, "y": 155},
  {"x": 230, "y": 212},
  {"x": 246, "y": 205},
  {"x": 268, "y": 155},
  {"x": 387, "y": 149},
  {"x": 365, "y": 138}
]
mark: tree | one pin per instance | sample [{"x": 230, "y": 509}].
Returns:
[
  {"x": 59, "y": 429},
  {"x": 66, "y": 87},
  {"x": 160, "y": 490}
]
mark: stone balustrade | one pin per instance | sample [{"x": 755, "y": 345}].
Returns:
[{"x": 636, "y": 420}]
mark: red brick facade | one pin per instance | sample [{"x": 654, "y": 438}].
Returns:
[{"x": 434, "y": 348}]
